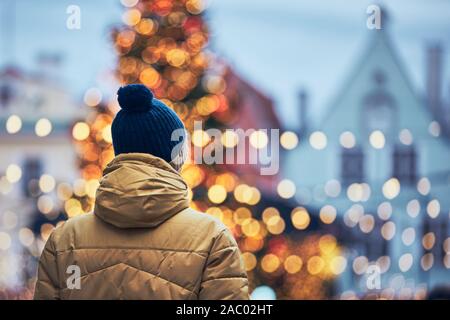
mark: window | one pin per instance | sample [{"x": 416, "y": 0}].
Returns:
[
  {"x": 352, "y": 165},
  {"x": 404, "y": 164},
  {"x": 378, "y": 112},
  {"x": 32, "y": 173}
]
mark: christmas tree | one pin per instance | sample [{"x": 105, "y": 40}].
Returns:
[{"x": 163, "y": 45}]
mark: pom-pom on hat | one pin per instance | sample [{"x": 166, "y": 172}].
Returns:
[{"x": 144, "y": 124}]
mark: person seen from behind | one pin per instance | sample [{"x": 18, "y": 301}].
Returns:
[{"x": 142, "y": 241}]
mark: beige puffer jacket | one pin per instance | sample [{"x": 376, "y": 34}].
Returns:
[{"x": 142, "y": 242}]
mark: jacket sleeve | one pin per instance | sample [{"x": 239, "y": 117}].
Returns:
[
  {"x": 224, "y": 276},
  {"x": 47, "y": 280}
]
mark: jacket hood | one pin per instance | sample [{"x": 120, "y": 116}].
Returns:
[{"x": 140, "y": 190}]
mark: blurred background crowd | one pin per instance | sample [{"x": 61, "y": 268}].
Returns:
[{"x": 360, "y": 207}]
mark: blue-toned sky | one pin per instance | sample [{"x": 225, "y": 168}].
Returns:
[{"x": 279, "y": 46}]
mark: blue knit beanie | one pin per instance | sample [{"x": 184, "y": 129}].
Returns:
[{"x": 145, "y": 124}]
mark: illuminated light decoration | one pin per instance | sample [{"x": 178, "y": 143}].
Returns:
[
  {"x": 217, "y": 194},
  {"x": 408, "y": 236},
  {"x": 377, "y": 139},
  {"x": 327, "y": 214},
  {"x": 428, "y": 240},
  {"x": 289, "y": 140},
  {"x": 107, "y": 134},
  {"x": 332, "y": 188},
  {"x": 47, "y": 183},
  {"x": 200, "y": 138},
  {"x": 327, "y": 244},
  {"x": 270, "y": 263},
  {"x": 405, "y": 137},
  {"x": 447, "y": 261},
  {"x": 446, "y": 245},
  {"x": 45, "y": 204},
  {"x": 434, "y": 128},
  {"x": 366, "y": 223},
  {"x": 433, "y": 208},
  {"x": 64, "y": 191},
  {"x": 13, "y": 124},
  {"x": 315, "y": 265},
  {"x": 43, "y": 127},
  {"x": 10, "y": 220},
  {"x": 195, "y": 6},
  {"x": 286, "y": 189},
  {"x": 241, "y": 215},
  {"x": 13, "y": 173},
  {"x": 250, "y": 261},
  {"x": 150, "y": 77},
  {"x": 129, "y": 3},
  {"x": 269, "y": 213},
  {"x": 91, "y": 187},
  {"x": 80, "y": 131},
  {"x": 263, "y": 293},
  {"x": 259, "y": 139},
  {"x": 5, "y": 186},
  {"x": 73, "y": 207},
  {"x": 354, "y": 214},
  {"x": 229, "y": 139},
  {"x": 131, "y": 17},
  {"x": 391, "y": 188},
  {"x": 413, "y": 208},
  {"x": 405, "y": 262},
  {"x": 388, "y": 230},
  {"x": 427, "y": 261},
  {"x": 318, "y": 140},
  {"x": 275, "y": 225},
  {"x": 384, "y": 210},
  {"x": 26, "y": 237},
  {"x": 300, "y": 218},
  {"x": 5, "y": 241},
  {"x": 347, "y": 140},
  {"x": 355, "y": 192},
  {"x": 338, "y": 265},
  {"x": 146, "y": 27},
  {"x": 424, "y": 186},
  {"x": 243, "y": 193},
  {"x": 384, "y": 263},
  {"x": 92, "y": 97},
  {"x": 293, "y": 264},
  {"x": 365, "y": 192},
  {"x": 250, "y": 227}
]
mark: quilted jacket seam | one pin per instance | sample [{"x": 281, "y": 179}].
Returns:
[
  {"x": 200, "y": 253},
  {"x": 145, "y": 271}
]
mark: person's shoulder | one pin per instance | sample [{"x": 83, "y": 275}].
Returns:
[
  {"x": 190, "y": 218},
  {"x": 66, "y": 230}
]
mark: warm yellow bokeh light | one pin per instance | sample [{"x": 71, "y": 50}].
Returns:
[
  {"x": 391, "y": 188},
  {"x": 289, "y": 140},
  {"x": 13, "y": 173},
  {"x": 293, "y": 264},
  {"x": 300, "y": 218},
  {"x": 270, "y": 263},
  {"x": 80, "y": 131},
  {"x": 377, "y": 139},
  {"x": 318, "y": 140},
  {"x": 217, "y": 194},
  {"x": 92, "y": 97},
  {"x": 13, "y": 124},
  {"x": 315, "y": 265},
  {"x": 286, "y": 189},
  {"x": 47, "y": 183},
  {"x": 43, "y": 127},
  {"x": 259, "y": 139}
]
